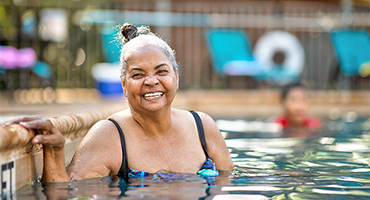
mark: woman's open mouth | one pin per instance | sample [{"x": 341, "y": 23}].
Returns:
[{"x": 153, "y": 95}]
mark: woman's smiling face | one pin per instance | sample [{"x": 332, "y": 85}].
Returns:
[{"x": 150, "y": 82}]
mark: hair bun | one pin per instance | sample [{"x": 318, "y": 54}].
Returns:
[{"x": 128, "y": 32}]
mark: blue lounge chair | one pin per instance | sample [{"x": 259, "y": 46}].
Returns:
[
  {"x": 43, "y": 70},
  {"x": 111, "y": 46},
  {"x": 107, "y": 74},
  {"x": 352, "y": 48},
  {"x": 231, "y": 53},
  {"x": 45, "y": 74}
]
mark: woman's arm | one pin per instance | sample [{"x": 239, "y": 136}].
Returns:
[
  {"x": 98, "y": 154},
  {"x": 216, "y": 146},
  {"x": 53, "y": 143}
]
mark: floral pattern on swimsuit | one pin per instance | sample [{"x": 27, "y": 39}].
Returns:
[{"x": 208, "y": 169}]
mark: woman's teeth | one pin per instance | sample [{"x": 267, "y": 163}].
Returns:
[{"x": 153, "y": 95}]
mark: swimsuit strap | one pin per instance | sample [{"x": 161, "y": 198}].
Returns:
[
  {"x": 202, "y": 138},
  {"x": 123, "y": 171}
]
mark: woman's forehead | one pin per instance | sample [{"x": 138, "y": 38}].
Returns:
[
  {"x": 148, "y": 54},
  {"x": 142, "y": 41},
  {"x": 145, "y": 49}
]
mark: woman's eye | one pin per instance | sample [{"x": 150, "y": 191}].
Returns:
[
  {"x": 162, "y": 72},
  {"x": 137, "y": 76}
]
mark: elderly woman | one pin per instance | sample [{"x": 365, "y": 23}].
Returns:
[{"x": 149, "y": 136}]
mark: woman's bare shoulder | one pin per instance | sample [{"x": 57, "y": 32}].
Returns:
[
  {"x": 216, "y": 146},
  {"x": 208, "y": 123},
  {"x": 121, "y": 117},
  {"x": 97, "y": 153},
  {"x": 101, "y": 135},
  {"x": 184, "y": 117}
]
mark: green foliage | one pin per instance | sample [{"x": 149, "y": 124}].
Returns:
[{"x": 7, "y": 30}]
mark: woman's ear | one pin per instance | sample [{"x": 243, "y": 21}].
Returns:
[
  {"x": 123, "y": 84},
  {"x": 177, "y": 79}
]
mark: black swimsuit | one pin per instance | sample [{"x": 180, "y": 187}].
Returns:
[{"x": 208, "y": 168}]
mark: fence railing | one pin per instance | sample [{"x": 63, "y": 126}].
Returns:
[{"x": 183, "y": 24}]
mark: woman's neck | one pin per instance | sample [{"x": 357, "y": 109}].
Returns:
[{"x": 154, "y": 124}]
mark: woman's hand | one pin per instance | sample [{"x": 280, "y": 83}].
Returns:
[
  {"x": 46, "y": 133},
  {"x": 53, "y": 143}
]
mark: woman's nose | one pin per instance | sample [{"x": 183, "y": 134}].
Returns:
[{"x": 151, "y": 80}]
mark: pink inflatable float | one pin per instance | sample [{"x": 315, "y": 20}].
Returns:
[{"x": 11, "y": 58}]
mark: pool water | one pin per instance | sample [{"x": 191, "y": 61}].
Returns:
[{"x": 333, "y": 165}]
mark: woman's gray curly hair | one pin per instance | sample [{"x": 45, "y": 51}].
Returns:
[{"x": 137, "y": 37}]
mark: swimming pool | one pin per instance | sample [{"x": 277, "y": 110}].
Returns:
[{"x": 334, "y": 165}]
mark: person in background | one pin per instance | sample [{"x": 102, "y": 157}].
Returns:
[{"x": 295, "y": 119}]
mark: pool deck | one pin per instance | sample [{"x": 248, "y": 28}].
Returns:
[
  {"x": 264, "y": 103},
  {"x": 217, "y": 103}
]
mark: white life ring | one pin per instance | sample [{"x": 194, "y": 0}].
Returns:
[{"x": 279, "y": 41}]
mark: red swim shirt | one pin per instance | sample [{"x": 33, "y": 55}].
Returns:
[{"x": 310, "y": 122}]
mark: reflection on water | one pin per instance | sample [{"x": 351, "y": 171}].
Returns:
[{"x": 335, "y": 165}]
